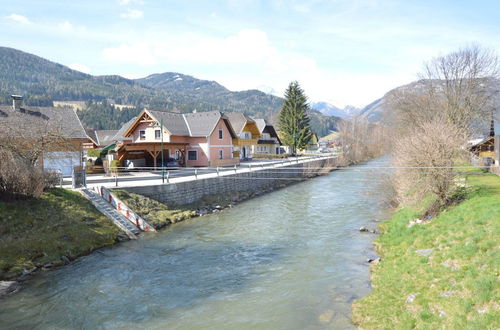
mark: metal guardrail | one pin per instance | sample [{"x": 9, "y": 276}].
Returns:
[{"x": 168, "y": 173}]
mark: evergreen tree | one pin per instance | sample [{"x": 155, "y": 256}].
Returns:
[{"x": 293, "y": 118}]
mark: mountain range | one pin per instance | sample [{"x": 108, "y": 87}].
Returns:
[
  {"x": 41, "y": 82},
  {"x": 331, "y": 110}
]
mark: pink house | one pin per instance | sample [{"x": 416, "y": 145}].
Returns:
[{"x": 192, "y": 139}]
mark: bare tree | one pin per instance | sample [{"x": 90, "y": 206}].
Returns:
[
  {"x": 433, "y": 118},
  {"x": 462, "y": 87},
  {"x": 424, "y": 161},
  {"x": 362, "y": 140}
]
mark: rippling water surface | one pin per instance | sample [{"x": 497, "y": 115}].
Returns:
[{"x": 291, "y": 259}]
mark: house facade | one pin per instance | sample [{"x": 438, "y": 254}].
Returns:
[
  {"x": 247, "y": 135},
  {"x": 269, "y": 142},
  {"x": 56, "y": 132},
  {"x": 193, "y": 139}
]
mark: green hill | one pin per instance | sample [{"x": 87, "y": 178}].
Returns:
[{"x": 42, "y": 82}]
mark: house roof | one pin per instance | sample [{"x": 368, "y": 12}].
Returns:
[
  {"x": 198, "y": 124},
  {"x": 261, "y": 124},
  {"x": 105, "y": 137},
  {"x": 173, "y": 122},
  {"x": 35, "y": 121},
  {"x": 238, "y": 121},
  {"x": 120, "y": 135}
]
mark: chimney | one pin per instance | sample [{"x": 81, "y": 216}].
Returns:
[{"x": 17, "y": 102}]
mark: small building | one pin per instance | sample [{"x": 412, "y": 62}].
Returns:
[
  {"x": 247, "y": 134},
  {"x": 269, "y": 142},
  {"x": 192, "y": 139},
  {"x": 483, "y": 148},
  {"x": 56, "y": 132},
  {"x": 102, "y": 138}
]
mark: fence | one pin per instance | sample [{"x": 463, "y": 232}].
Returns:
[{"x": 124, "y": 210}]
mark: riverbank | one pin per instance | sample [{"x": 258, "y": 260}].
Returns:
[
  {"x": 441, "y": 272},
  {"x": 160, "y": 215},
  {"x": 50, "y": 231},
  {"x": 61, "y": 225}
]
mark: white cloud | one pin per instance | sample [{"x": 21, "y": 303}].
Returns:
[
  {"x": 79, "y": 67},
  {"x": 19, "y": 18},
  {"x": 126, "y": 2},
  {"x": 66, "y": 26},
  {"x": 132, "y": 14},
  {"x": 247, "y": 46},
  {"x": 257, "y": 62}
]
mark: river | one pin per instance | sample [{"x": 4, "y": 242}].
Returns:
[{"x": 290, "y": 259}]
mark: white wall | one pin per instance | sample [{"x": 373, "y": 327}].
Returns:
[{"x": 63, "y": 161}]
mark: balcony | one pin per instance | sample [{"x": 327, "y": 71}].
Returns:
[{"x": 244, "y": 142}]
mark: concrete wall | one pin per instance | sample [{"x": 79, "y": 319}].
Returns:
[{"x": 192, "y": 191}]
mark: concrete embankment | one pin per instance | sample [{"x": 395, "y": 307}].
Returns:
[{"x": 188, "y": 192}]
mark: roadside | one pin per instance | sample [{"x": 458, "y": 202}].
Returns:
[
  {"x": 41, "y": 233},
  {"x": 440, "y": 272}
]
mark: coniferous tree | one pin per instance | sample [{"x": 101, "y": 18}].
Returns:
[{"x": 293, "y": 119}]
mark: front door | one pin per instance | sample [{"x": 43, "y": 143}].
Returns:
[{"x": 244, "y": 153}]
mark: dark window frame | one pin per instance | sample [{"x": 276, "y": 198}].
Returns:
[{"x": 193, "y": 152}]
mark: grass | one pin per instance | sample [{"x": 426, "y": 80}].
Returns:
[
  {"x": 457, "y": 285},
  {"x": 34, "y": 232},
  {"x": 155, "y": 213}
]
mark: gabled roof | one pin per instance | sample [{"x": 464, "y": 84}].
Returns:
[
  {"x": 261, "y": 124},
  {"x": 200, "y": 124},
  {"x": 105, "y": 137},
  {"x": 35, "y": 121},
  {"x": 120, "y": 135},
  {"x": 173, "y": 122},
  {"x": 238, "y": 121},
  {"x": 265, "y": 127}
]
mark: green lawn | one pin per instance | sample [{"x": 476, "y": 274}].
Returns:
[
  {"x": 34, "y": 232},
  {"x": 155, "y": 213},
  {"x": 457, "y": 285}
]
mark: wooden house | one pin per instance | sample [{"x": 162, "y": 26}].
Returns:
[
  {"x": 247, "y": 134},
  {"x": 269, "y": 141},
  {"x": 192, "y": 139}
]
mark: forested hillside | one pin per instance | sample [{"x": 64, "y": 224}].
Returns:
[{"x": 41, "y": 81}]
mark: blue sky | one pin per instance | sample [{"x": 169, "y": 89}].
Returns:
[{"x": 341, "y": 51}]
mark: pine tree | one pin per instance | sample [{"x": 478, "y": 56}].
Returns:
[{"x": 293, "y": 118}]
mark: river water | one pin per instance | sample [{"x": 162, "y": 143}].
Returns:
[{"x": 290, "y": 259}]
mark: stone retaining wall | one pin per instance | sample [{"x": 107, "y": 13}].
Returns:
[{"x": 182, "y": 193}]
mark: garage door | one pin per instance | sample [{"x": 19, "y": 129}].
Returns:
[{"x": 63, "y": 161}]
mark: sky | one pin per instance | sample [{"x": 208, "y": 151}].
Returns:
[{"x": 345, "y": 52}]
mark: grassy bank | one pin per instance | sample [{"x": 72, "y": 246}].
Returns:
[
  {"x": 160, "y": 215},
  {"x": 441, "y": 274},
  {"x": 49, "y": 231},
  {"x": 155, "y": 213}
]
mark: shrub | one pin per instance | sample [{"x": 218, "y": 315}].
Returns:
[{"x": 19, "y": 179}]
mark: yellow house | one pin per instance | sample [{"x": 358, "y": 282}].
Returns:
[{"x": 247, "y": 134}]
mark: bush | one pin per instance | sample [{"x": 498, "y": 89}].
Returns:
[
  {"x": 114, "y": 166},
  {"x": 20, "y": 179}
]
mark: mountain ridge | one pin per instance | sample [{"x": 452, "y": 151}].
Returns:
[{"x": 42, "y": 81}]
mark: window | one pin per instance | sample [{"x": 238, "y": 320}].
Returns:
[
  {"x": 142, "y": 135},
  {"x": 157, "y": 134},
  {"x": 245, "y": 135},
  {"x": 192, "y": 155},
  {"x": 220, "y": 134},
  {"x": 221, "y": 155}
]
